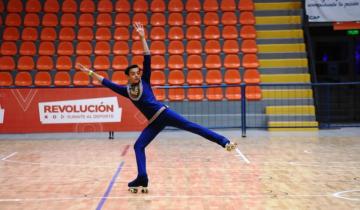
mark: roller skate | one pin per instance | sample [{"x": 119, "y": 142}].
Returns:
[
  {"x": 139, "y": 182},
  {"x": 230, "y": 146}
]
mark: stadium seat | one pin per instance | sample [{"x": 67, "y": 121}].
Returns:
[
  {"x": 211, "y": 19},
  {"x": 246, "y": 5},
  {"x": 176, "y": 62},
  {"x": 194, "y": 47},
  {"x": 213, "y": 77},
  {"x": 228, "y": 18},
  {"x": 230, "y": 32},
  {"x": 233, "y": 93},
  {"x": 23, "y": 79},
  {"x": 81, "y": 79},
  {"x": 159, "y": 93},
  {"x": 103, "y": 34},
  {"x": 65, "y": 48},
  {"x": 13, "y": 19},
  {"x": 157, "y": 78},
  {"x": 157, "y": 33},
  {"x": 62, "y": 79},
  {"x": 14, "y": 6},
  {"x": 50, "y": 20},
  {"x": 176, "y": 33},
  {"x": 121, "y": 48},
  {"x": 176, "y": 94},
  {"x": 194, "y": 62},
  {"x": 101, "y": 73},
  {"x": 7, "y": 63},
  {"x": 247, "y": 18},
  {"x": 122, "y": 6},
  {"x": 31, "y": 20},
  {"x": 44, "y": 63},
  {"x": 210, "y": 5},
  {"x": 87, "y": 6},
  {"x": 175, "y": 19},
  {"x": 28, "y": 48},
  {"x": 101, "y": 63},
  {"x": 193, "y": 6},
  {"x": 68, "y": 20},
  {"x": 137, "y": 48},
  {"x": 138, "y": 60},
  {"x": 249, "y": 46},
  {"x": 48, "y": 34},
  {"x": 253, "y": 93},
  {"x": 69, "y": 6},
  {"x": 158, "y": 19},
  {"x": 231, "y": 47},
  {"x": 193, "y": 32},
  {"x": 85, "y": 34},
  {"x": 121, "y": 33},
  {"x": 119, "y": 63},
  {"x": 176, "y": 47},
  {"x": 175, "y": 6},
  {"x": 5, "y": 79},
  {"x": 140, "y": 6},
  {"x": 29, "y": 34},
  {"x": 251, "y": 76},
  {"x": 105, "y": 6},
  {"x": 66, "y": 34},
  {"x": 119, "y": 77},
  {"x": 122, "y": 19},
  {"x": 212, "y": 32},
  {"x": 157, "y": 6},
  {"x": 140, "y": 17},
  {"x": 232, "y": 76},
  {"x": 214, "y": 93},
  {"x": 11, "y": 34},
  {"x": 42, "y": 79},
  {"x": 195, "y": 94},
  {"x": 86, "y": 19},
  {"x": 25, "y": 63},
  {"x": 213, "y": 62},
  {"x": 51, "y": 6},
  {"x": 232, "y": 61},
  {"x": 8, "y": 48},
  {"x": 104, "y": 19},
  {"x": 64, "y": 63},
  {"x": 102, "y": 48},
  {"x": 46, "y": 48},
  {"x": 250, "y": 61},
  {"x": 33, "y": 6},
  {"x": 157, "y": 48},
  {"x": 248, "y": 32},
  {"x": 84, "y": 60},
  {"x": 193, "y": 19},
  {"x": 84, "y": 48},
  {"x": 195, "y": 77},
  {"x": 228, "y": 5},
  {"x": 212, "y": 47}
]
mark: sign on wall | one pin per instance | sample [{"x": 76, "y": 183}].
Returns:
[{"x": 333, "y": 10}]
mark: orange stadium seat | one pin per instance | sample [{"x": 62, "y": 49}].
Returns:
[
  {"x": 23, "y": 79},
  {"x": 33, "y": 6},
  {"x": 193, "y": 19},
  {"x": 253, "y": 93},
  {"x": 119, "y": 63},
  {"x": 8, "y": 48},
  {"x": 11, "y": 34},
  {"x": 211, "y": 18},
  {"x": 157, "y": 78},
  {"x": 210, "y": 5},
  {"x": 157, "y": 6},
  {"x": 84, "y": 60},
  {"x": 50, "y": 19},
  {"x": 31, "y": 20},
  {"x": 86, "y": 19},
  {"x": 65, "y": 48},
  {"x": 137, "y": 48},
  {"x": 140, "y": 6},
  {"x": 48, "y": 34},
  {"x": 249, "y": 46},
  {"x": 231, "y": 46},
  {"x": 25, "y": 63},
  {"x": 84, "y": 48},
  {"x": 214, "y": 93},
  {"x": 68, "y": 19},
  {"x": 176, "y": 47},
  {"x": 66, "y": 34},
  {"x": 251, "y": 76},
  {"x": 246, "y": 5},
  {"x": 159, "y": 93},
  {"x": 212, "y": 47},
  {"x": 230, "y": 32},
  {"x": 44, "y": 63},
  {"x": 122, "y": 6},
  {"x": 105, "y": 6},
  {"x": 228, "y": 18},
  {"x": 212, "y": 32},
  {"x": 69, "y": 6},
  {"x": 7, "y": 63},
  {"x": 104, "y": 19},
  {"x": 101, "y": 73},
  {"x": 195, "y": 94},
  {"x": 157, "y": 48},
  {"x": 248, "y": 32},
  {"x": 250, "y": 61},
  {"x": 85, "y": 34},
  {"x": 87, "y": 6},
  {"x": 121, "y": 48},
  {"x": 194, "y": 62},
  {"x": 103, "y": 34},
  {"x": 101, "y": 63},
  {"x": 158, "y": 62},
  {"x": 13, "y": 19},
  {"x": 64, "y": 63},
  {"x": 176, "y": 62},
  {"x": 176, "y": 33},
  {"x": 233, "y": 93},
  {"x": 42, "y": 79},
  {"x": 195, "y": 77},
  {"x": 175, "y": 6},
  {"x": 213, "y": 77},
  {"x": 213, "y": 62},
  {"x": 193, "y": 6},
  {"x": 122, "y": 19},
  {"x": 81, "y": 79},
  {"x": 228, "y": 5},
  {"x": 175, "y": 19},
  {"x": 232, "y": 76},
  {"x": 232, "y": 61},
  {"x": 121, "y": 33},
  {"x": 247, "y": 18},
  {"x": 62, "y": 79},
  {"x": 194, "y": 47},
  {"x": 5, "y": 79},
  {"x": 157, "y": 33},
  {"x": 29, "y": 34},
  {"x": 119, "y": 77},
  {"x": 14, "y": 6},
  {"x": 158, "y": 19},
  {"x": 28, "y": 48},
  {"x": 51, "y": 6},
  {"x": 46, "y": 48},
  {"x": 140, "y": 17},
  {"x": 193, "y": 32},
  {"x": 176, "y": 94},
  {"x": 102, "y": 48}
]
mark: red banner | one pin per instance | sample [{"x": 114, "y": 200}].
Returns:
[{"x": 67, "y": 110}]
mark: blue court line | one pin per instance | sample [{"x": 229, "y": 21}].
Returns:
[{"x": 108, "y": 190}]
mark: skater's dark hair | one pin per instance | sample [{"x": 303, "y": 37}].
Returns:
[{"x": 127, "y": 70}]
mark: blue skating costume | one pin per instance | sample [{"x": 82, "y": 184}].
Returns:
[{"x": 159, "y": 117}]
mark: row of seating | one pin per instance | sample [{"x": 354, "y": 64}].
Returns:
[{"x": 104, "y": 6}]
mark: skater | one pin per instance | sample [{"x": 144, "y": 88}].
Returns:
[{"x": 159, "y": 116}]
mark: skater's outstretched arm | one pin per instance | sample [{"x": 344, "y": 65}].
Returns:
[
  {"x": 90, "y": 72},
  {"x": 140, "y": 29},
  {"x": 147, "y": 59}
]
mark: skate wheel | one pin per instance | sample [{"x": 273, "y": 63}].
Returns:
[
  {"x": 133, "y": 190},
  {"x": 144, "y": 190}
]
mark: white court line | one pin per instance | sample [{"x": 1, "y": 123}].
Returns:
[
  {"x": 242, "y": 156},
  {"x": 340, "y": 195},
  {"x": 9, "y": 156},
  {"x": 56, "y": 164}
]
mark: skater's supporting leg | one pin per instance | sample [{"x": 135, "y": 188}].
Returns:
[{"x": 178, "y": 121}]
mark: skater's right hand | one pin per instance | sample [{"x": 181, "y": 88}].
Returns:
[{"x": 83, "y": 68}]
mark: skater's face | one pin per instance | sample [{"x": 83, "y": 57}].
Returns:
[{"x": 134, "y": 75}]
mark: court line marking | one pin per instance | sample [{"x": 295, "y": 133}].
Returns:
[
  {"x": 242, "y": 156},
  {"x": 9, "y": 156},
  {"x": 340, "y": 195}
]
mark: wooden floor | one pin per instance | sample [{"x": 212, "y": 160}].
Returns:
[{"x": 318, "y": 170}]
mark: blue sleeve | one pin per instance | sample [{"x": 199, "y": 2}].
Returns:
[
  {"x": 120, "y": 89},
  {"x": 147, "y": 68}
]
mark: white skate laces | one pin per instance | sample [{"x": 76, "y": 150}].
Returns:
[{"x": 230, "y": 146}]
